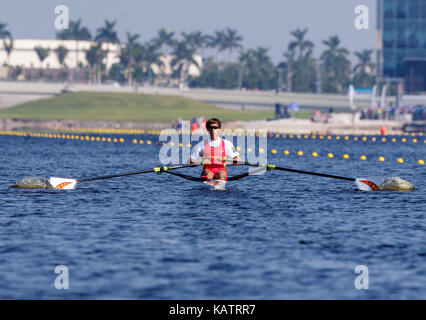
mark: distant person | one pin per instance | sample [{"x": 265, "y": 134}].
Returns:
[
  {"x": 329, "y": 116},
  {"x": 213, "y": 152},
  {"x": 316, "y": 116},
  {"x": 286, "y": 114},
  {"x": 194, "y": 126}
]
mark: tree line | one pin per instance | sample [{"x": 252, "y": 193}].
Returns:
[{"x": 251, "y": 68}]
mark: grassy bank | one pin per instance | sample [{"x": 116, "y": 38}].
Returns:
[{"x": 124, "y": 106}]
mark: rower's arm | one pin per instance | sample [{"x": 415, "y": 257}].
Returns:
[{"x": 195, "y": 156}]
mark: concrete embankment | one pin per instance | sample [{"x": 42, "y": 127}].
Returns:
[{"x": 23, "y": 124}]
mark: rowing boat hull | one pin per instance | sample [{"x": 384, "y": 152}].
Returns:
[{"x": 215, "y": 184}]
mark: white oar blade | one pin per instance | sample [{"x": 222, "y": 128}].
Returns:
[
  {"x": 62, "y": 183},
  {"x": 369, "y": 184}
]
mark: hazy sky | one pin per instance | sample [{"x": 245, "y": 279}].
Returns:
[{"x": 262, "y": 23}]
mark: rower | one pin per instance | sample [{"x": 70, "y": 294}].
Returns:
[{"x": 213, "y": 152}]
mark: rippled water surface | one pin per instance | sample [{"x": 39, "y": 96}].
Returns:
[{"x": 276, "y": 236}]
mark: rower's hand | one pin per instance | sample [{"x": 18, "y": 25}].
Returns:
[
  {"x": 195, "y": 162},
  {"x": 237, "y": 161}
]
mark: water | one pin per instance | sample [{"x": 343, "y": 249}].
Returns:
[{"x": 276, "y": 236}]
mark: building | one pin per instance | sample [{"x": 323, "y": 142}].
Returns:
[
  {"x": 401, "y": 42},
  {"x": 24, "y": 55}
]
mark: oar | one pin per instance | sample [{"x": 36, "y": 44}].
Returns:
[
  {"x": 66, "y": 184},
  {"x": 365, "y": 184}
]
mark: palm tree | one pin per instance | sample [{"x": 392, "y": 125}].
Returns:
[
  {"x": 333, "y": 50},
  {"x": 300, "y": 63},
  {"x": 94, "y": 56},
  {"x": 42, "y": 54},
  {"x": 262, "y": 57},
  {"x": 248, "y": 58},
  {"x": 216, "y": 41},
  {"x": 3, "y": 32},
  {"x": 335, "y": 67},
  {"x": 363, "y": 70},
  {"x": 247, "y": 62},
  {"x": 290, "y": 68},
  {"x": 61, "y": 54},
  {"x": 365, "y": 65},
  {"x": 196, "y": 40},
  {"x": 8, "y": 47},
  {"x": 127, "y": 56},
  {"x": 231, "y": 40},
  {"x": 127, "y": 62},
  {"x": 131, "y": 39},
  {"x": 256, "y": 68},
  {"x": 300, "y": 42},
  {"x": 305, "y": 73},
  {"x": 152, "y": 57},
  {"x": 107, "y": 34},
  {"x": 78, "y": 33},
  {"x": 164, "y": 40},
  {"x": 183, "y": 57}
]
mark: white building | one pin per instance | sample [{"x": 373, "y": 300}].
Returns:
[{"x": 24, "y": 55}]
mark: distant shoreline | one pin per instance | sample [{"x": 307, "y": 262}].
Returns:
[
  {"x": 296, "y": 126},
  {"x": 7, "y": 124}
]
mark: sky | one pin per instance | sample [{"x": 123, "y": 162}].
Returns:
[{"x": 264, "y": 23}]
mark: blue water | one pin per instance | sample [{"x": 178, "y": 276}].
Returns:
[{"x": 276, "y": 236}]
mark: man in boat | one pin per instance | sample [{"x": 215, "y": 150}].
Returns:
[{"x": 213, "y": 152}]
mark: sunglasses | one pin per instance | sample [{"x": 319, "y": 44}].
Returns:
[{"x": 213, "y": 128}]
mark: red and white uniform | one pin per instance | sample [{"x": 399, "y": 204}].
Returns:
[{"x": 213, "y": 154}]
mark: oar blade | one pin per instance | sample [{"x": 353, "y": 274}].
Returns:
[
  {"x": 62, "y": 183},
  {"x": 369, "y": 184}
]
